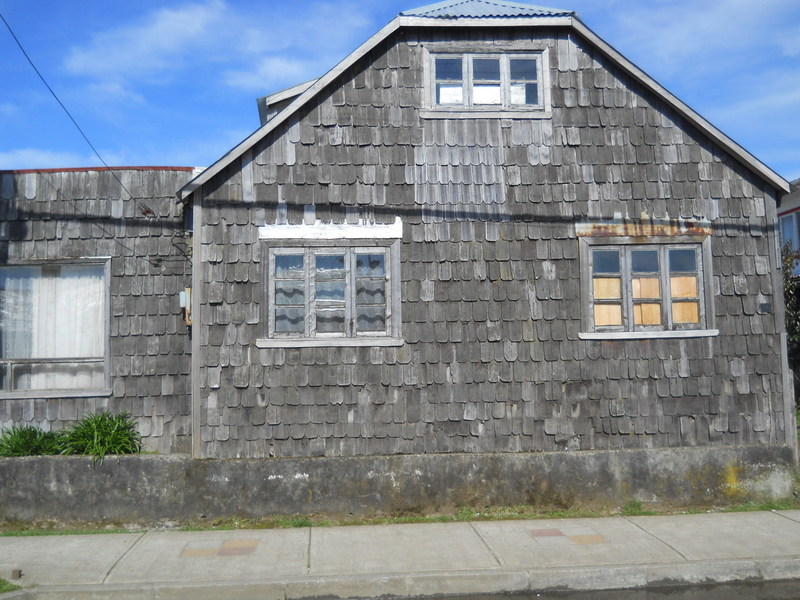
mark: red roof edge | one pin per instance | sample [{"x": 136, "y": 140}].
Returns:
[{"x": 77, "y": 169}]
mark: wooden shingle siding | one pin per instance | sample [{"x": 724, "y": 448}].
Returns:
[
  {"x": 70, "y": 214},
  {"x": 490, "y": 270}
]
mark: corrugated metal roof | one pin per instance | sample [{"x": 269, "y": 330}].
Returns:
[{"x": 457, "y": 9}]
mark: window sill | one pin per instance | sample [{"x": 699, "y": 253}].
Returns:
[
  {"x": 28, "y": 394},
  {"x": 329, "y": 342},
  {"x": 477, "y": 113},
  {"x": 648, "y": 335}
]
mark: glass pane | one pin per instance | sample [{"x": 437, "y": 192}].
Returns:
[
  {"x": 682, "y": 261},
  {"x": 289, "y": 293},
  {"x": 685, "y": 312},
  {"x": 523, "y": 69},
  {"x": 644, "y": 261},
  {"x": 289, "y": 320},
  {"x": 647, "y": 314},
  {"x": 448, "y": 93},
  {"x": 448, "y": 69},
  {"x": 524, "y": 93},
  {"x": 788, "y": 231},
  {"x": 646, "y": 287},
  {"x": 330, "y": 321},
  {"x": 607, "y": 314},
  {"x": 683, "y": 287},
  {"x": 486, "y": 69},
  {"x": 371, "y": 318},
  {"x": 486, "y": 94},
  {"x": 289, "y": 266},
  {"x": 607, "y": 288},
  {"x": 605, "y": 261},
  {"x": 329, "y": 266},
  {"x": 370, "y": 265},
  {"x": 57, "y": 376},
  {"x": 370, "y": 291},
  {"x": 17, "y": 299},
  {"x": 330, "y": 291}
]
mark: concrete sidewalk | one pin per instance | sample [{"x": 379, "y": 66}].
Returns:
[{"x": 410, "y": 560}]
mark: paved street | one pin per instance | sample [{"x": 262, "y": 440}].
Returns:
[{"x": 410, "y": 560}]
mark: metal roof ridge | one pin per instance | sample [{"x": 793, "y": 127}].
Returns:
[{"x": 526, "y": 10}]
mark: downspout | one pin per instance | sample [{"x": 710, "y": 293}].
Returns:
[{"x": 197, "y": 250}]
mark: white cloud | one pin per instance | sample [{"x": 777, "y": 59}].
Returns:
[
  {"x": 270, "y": 72},
  {"x": 147, "y": 49},
  {"x": 7, "y": 109},
  {"x": 35, "y": 158}
]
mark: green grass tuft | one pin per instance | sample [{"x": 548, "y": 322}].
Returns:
[
  {"x": 102, "y": 434},
  {"x": 5, "y": 586},
  {"x": 25, "y": 440}
]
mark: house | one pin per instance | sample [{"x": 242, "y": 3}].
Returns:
[
  {"x": 92, "y": 262},
  {"x": 484, "y": 233}
]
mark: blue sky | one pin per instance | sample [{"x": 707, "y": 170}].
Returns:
[{"x": 154, "y": 82}]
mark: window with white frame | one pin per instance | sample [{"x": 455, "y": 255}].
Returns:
[
  {"x": 790, "y": 233},
  {"x": 53, "y": 328},
  {"x": 487, "y": 81},
  {"x": 650, "y": 287}
]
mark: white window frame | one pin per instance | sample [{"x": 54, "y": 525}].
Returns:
[
  {"x": 468, "y": 109},
  {"x": 351, "y": 239},
  {"x": 705, "y": 328},
  {"x": 10, "y": 363}
]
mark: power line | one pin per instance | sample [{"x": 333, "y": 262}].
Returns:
[{"x": 146, "y": 210}]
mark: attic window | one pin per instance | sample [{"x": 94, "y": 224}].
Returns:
[{"x": 480, "y": 83}]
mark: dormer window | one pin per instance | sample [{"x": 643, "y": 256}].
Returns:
[{"x": 487, "y": 81}]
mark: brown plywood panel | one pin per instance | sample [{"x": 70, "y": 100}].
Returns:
[
  {"x": 683, "y": 286},
  {"x": 646, "y": 287},
  {"x": 647, "y": 314},
  {"x": 607, "y": 314},
  {"x": 685, "y": 312},
  {"x": 607, "y": 288}
]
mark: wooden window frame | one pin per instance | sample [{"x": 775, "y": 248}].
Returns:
[
  {"x": 467, "y": 108},
  {"x": 104, "y": 262},
  {"x": 628, "y": 330},
  {"x": 351, "y": 337}
]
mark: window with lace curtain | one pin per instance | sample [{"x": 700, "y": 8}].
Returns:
[{"x": 53, "y": 328}]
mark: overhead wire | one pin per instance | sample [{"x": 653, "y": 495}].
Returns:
[{"x": 144, "y": 208}]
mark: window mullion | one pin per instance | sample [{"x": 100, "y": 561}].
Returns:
[
  {"x": 666, "y": 287},
  {"x": 349, "y": 293},
  {"x": 466, "y": 69},
  {"x": 311, "y": 293},
  {"x": 627, "y": 295}
]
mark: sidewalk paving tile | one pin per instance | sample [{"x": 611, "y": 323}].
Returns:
[
  {"x": 717, "y": 536},
  {"x": 189, "y": 556},
  {"x": 63, "y": 559},
  {"x": 572, "y": 542},
  {"x": 409, "y": 548}
]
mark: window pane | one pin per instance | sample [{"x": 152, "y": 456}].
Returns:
[
  {"x": 524, "y": 93},
  {"x": 644, "y": 261},
  {"x": 329, "y": 266},
  {"x": 523, "y": 69},
  {"x": 330, "y": 321},
  {"x": 685, "y": 312},
  {"x": 647, "y": 314},
  {"x": 57, "y": 376},
  {"x": 17, "y": 298},
  {"x": 370, "y": 265},
  {"x": 289, "y": 320},
  {"x": 370, "y": 291},
  {"x": 607, "y": 288},
  {"x": 605, "y": 261},
  {"x": 448, "y": 69},
  {"x": 607, "y": 314},
  {"x": 289, "y": 266},
  {"x": 289, "y": 293},
  {"x": 486, "y": 94},
  {"x": 448, "y": 93},
  {"x": 682, "y": 261},
  {"x": 330, "y": 291},
  {"x": 683, "y": 287},
  {"x": 788, "y": 231},
  {"x": 646, "y": 287},
  {"x": 486, "y": 69},
  {"x": 371, "y": 318}
]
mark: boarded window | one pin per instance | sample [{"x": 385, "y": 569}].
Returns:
[{"x": 648, "y": 287}]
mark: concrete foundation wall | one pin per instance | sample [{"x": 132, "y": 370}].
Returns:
[{"x": 152, "y": 488}]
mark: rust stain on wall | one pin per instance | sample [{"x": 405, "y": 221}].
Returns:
[{"x": 644, "y": 227}]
